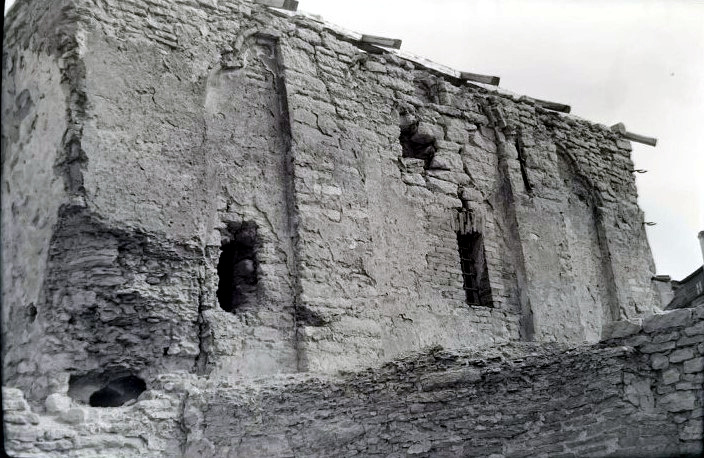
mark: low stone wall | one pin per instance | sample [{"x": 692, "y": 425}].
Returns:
[{"x": 639, "y": 393}]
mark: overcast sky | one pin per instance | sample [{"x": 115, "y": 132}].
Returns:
[{"x": 640, "y": 62}]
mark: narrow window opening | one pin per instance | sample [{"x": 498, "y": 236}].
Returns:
[
  {"x": 475, "y": 275},
  {"x": 522, "y": 162},
  {"x": 237, "y": 267}
]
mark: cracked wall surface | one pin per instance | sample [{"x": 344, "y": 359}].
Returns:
[{"x": 140, "y": 133}]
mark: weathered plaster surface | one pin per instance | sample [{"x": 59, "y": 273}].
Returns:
[
  {"x": 139, "y": 134},
  {"x": 36, "y": 118}
]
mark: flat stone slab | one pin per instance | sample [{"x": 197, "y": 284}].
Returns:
[{"x": 673, "y": 319}]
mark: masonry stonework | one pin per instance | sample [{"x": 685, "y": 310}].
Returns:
[{"x": 140, "y": 139}]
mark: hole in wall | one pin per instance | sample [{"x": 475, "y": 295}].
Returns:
[
  {"x": 101, "y": 390},
  {"x": 118, "y": 392},
  {"x": 31, "y": 313},
  {"x": 237, "y": 266},
  {"x": 416, "y": 138},
  {"x": 522, "y": 162}
]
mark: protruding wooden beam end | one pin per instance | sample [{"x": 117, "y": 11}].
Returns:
[
  {"x": 290, "y": 5},
  {"x": 486, "y": 79},
  {"x": 620, "y": 128},
  {"x": 392, "y": 43},
  {"x": 650, "y": 141},
  {"x": 559, "y": 107}
]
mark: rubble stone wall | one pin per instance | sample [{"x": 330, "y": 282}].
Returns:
[{"x": 639, "y": 393}]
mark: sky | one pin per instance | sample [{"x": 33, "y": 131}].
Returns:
[{"x": 640, "y": 62}]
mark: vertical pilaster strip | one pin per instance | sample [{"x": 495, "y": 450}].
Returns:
[
  {"x": 292, "y": 214},
  {"x": 508, "y": 207}
]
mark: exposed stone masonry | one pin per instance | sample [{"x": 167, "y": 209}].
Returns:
[
  {"x": 211, "y": 208},
  {"x": 638, "y": 393}
]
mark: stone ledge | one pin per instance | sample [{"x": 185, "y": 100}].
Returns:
[
  {"x": 673, "y": 319},
  {"x": 692, "y": 320}
]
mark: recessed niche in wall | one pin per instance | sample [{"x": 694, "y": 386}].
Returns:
[
  {"x": 237, "y": 266},
  {"x": 417, "y": 139}
]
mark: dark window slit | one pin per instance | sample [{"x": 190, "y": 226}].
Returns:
[
  {"x": 474, "y": 269},
  {"x": 522, "y": 162},
  {"x": 237, "y": 267}
]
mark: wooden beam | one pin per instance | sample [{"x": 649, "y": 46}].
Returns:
[
  {"x": 291, "y": 5},
  {"x": 650, "y": 141},
  {"x": 559, "y": 107},
  {"x": 493, "y": 80},
  {"x": 392, "y": 43},
  {"x": 620, "y": 128}
]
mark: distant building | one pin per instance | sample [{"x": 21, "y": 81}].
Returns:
[{"x": 689, "y": 292}]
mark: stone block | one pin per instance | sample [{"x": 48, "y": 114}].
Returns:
[
  {"x": 470, "y": 194},
  {"x": 413, "y": 179},
  {"x": 682, "y": 354},
  {"x": 420, "y": 448},
  {"x": 637, "y": 341},
  {"x": 74, "y": 416},
  {"x": 688, "y": 386},
  {"x": 13, "y": 400},
  {"x": 480, "y": 141},
  {"x": 659, "y": 361},
  {"x": 673, "y": 319},
  {"x": 666, "y": 337},
  {"x": 693, "y": 430},
  {"x": 446, "y": 160},
  {"x": 13, "y": 418},
  {"x": 696, "y": 330},
  {"x": 694, "y": 365},
  {"x": 679, "y": 401},
  {"x": 442, "y": 186},
  {"x": 412, "y": 165},
  {"x": 670, "y": 376},
  {"x": 447, "y": 379},
  {"x": 375, "y": 67},
  {"x": 619, "y": 329},
  {"x": 698, "y": 312},
  {"x": 57, "y": 402},
  {"x": 457, "y": 134},
  {"x": 656, "y": 348},
  {"x": 691, "y": 340},
  {"x": 458, "y": 178},
  {"x": 426, "y": 134}
]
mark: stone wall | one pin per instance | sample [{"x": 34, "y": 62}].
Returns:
[
  {"x": 167, "y": 124},
  {"x": 35, "y": 154},
  {"x": 637, "y": 394}
]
